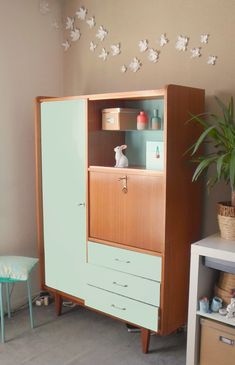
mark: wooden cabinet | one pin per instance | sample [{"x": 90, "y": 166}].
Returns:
[{"x": 118, "y": 239}]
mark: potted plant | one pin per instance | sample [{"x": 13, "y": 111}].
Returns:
[{"x": 218, "y": 131}]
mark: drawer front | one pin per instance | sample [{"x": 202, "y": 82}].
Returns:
[
  {"x": 143, "y": 265},
  {"x": 124, "y": 308},
  {"x": 144, "y": 290}
]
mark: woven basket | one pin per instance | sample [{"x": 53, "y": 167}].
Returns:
[
  {"x": 226, "y": 281},
  {"x": 226, "y": 220},
  {"x": 223, "y": 294},
  {"x": 223, "y": 288}
]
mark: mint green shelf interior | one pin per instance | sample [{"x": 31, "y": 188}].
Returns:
[{"x": 136, "y": 140}]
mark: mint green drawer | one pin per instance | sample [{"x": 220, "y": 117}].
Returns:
[
  {"x": 144, "y": 290},
  {"x": 140, "y": 264},
  {"x": 138, "y": 313}
]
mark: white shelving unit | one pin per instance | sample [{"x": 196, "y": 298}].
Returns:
[{"x": 202, "y": 280}]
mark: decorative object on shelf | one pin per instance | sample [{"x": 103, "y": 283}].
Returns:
[
  {"x": 92, "y": 46},
  {"x": 91, "y": 22},
  {"x": 219, "y": 132},
  {"x": 142, "y": 120},
  {"x": 101, "y": 33},
  {"x": 135, "y": 65},
  {"x": 123, "y": 68},
  {"x": 212, "y": 60},
  {"x": 119, "y": 119},
  {"x": 153, "y": 55},
  {"x": 231, "y": 309},
  {"x": 143, "y": 45},
  {"x": 103, "y": 54},
  {"x": 223, "y": 311},
  {"x": 115, "y": 49},
  {"x": 155, "y": 120},
  {"x": 224, "y": 287},
  {"x": 66, "y": 45},
  {"x": 204, "y": 305},
  {"x": 196, "y": 52},
  {"x": 216, "y": 304},
  {"x": 204, "y": 38},
  {"x": 154, "y": 155},
  {"x": 75, "y": 34},
  {"x": 181, "y": 43},
  {"x": 121, "y": 159},
  {"x": 163, "y": 40},
  {"x": 81, "y": 13}
]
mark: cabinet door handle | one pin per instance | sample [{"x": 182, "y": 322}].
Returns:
[
  {"x": 123, "y": 180},
  {"x": 123, "y": 261},
  {"x": 81, "y": 204},
  {"x": 116, "y": 307},
  {"x": 122, "y": 285},
  {"x": 226, "y": 340}
]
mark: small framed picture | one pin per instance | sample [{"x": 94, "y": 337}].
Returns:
[{"x": 154, "y": 155}]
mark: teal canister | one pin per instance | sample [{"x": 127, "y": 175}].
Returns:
[{"x": 155, "y": 120}]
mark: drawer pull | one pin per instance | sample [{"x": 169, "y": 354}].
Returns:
[
  {"x": 116, "y": 307},
  {"x": 122, "y": 285},
  {"x": 124, "y": 261},
  {"x": 226, "y": 340}
]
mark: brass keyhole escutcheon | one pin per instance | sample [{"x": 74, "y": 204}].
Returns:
[{"x": 123, "y": 180}]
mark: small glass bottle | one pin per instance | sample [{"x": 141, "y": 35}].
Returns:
[
  {"x": 142, "y": 120},
  {"x": 155, "y": 120}
]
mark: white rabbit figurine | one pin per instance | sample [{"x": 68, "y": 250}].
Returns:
[{"x": 121, "y": 159}]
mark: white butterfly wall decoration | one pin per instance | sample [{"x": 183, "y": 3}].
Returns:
[
  {"x": 101, "y": 33},
  {"x": 181, "y": 43},
  {"x": 91, "y": 22},
  {"x": 81, "y": 13},
  {"x": 75, "y": 34}
]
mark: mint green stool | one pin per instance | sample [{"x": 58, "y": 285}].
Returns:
[{"x": 14, "y": 269}]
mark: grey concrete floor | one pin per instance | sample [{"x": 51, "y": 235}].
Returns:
[{"x": 82, "y": 337}]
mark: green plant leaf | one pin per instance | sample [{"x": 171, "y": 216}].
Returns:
[
  {"x": 201, "y": 138},
  {"x": 204, "y": 164},
  {"x": 219, "y": 165},
  {"x": 232, "y": 170}
]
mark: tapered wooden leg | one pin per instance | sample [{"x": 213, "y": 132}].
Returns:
[
  {"x": 145, "y": 337},
  {"x": 58, "y": 304}
]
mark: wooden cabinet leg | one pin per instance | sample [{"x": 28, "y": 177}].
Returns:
[
  {"x": 145, "y": 337},
  {"x": 58, "y": 304}
]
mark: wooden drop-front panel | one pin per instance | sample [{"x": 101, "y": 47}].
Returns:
[{"x": 134, "y": 218}]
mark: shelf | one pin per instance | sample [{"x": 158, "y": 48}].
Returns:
[
  {"x": 217, "y": 317},
  {"x": 140, "y": 170},
  {"x": 134, "y": 130}
]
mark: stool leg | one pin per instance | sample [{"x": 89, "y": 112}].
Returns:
[
  {"x": 2, "y": 313},
  {"x": 8, "y": 300},
  {"x": 30, "y": 303}
]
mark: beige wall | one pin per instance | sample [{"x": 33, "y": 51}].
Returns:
[
  {"x": 30, "y": 65},
  {"x": 133, "y": 20}
]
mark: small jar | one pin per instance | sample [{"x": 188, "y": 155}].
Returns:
[{"x": 142, "y": 120}]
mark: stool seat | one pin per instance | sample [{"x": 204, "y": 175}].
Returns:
[{"x": 15, "y": 269}]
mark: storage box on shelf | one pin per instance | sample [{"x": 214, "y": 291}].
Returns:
[
  {"x": 217, "y": 345},
  {"x": 137, "y": 225}
]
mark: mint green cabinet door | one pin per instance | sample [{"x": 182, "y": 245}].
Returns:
[{"x": 63, "y": 139}]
